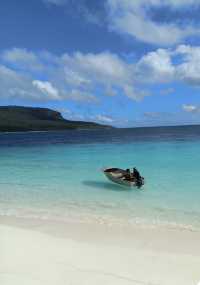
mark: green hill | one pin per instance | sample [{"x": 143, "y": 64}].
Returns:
[{"x": 15, "y": 118}]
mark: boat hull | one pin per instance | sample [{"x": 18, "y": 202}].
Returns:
[
  {"x": 117, "y": 175},
  {"x": 119, "y": 180}
]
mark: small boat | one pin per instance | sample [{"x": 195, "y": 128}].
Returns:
[{"x": 119, "y": 176}]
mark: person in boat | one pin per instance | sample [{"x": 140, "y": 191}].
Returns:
[
  {"x": 136, "y": 173},
  {"x": 137, "y": 177}
]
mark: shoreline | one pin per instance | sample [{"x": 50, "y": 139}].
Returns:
[
  {"x": 176, "y": 239},
  {"x": 68, "y": 253}
]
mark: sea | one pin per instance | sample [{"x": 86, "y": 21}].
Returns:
[{"x": 57, "y": 176}]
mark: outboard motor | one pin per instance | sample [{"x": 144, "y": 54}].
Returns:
[
  {"x": 138, "y": 177},
  {"x": 139, "y": 182}
]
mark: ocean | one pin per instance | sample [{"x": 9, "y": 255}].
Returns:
[{"x": 58, "y": 176}]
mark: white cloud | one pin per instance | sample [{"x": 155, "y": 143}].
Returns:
[
  {"x": 178, "y": 3},
  {"x": 56, "y": 2},
  {"x": 23, "y": 59},
  {"x": 104, "y": 119},
  {"x": 104, "y": 66},
  {"x": 156, "y": 66},
  {"x": 189, "y": 69},
  {"x": 74, "y": 77},
  {"x": 80, "y": 77},
  {"x": 47, "y": 88},
  {"x": 81, "y": 96},
  {"x": 106, "y": 70},
  {"x": 191, "y": 108},
  {"x": 14, "y": 85},
  {"x": 166, "y": 65},
  {"x": 133, "y": 18}
]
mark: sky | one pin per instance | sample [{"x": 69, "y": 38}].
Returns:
[{"x": 126, "y": 63}]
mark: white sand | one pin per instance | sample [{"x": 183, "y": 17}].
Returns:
[{"x": 97, "y": 255}]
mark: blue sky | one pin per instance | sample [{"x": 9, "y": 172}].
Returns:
[{"x": 125, "y": 63}]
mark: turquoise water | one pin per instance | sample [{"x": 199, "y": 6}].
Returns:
[{"x": 57, "y": 180}]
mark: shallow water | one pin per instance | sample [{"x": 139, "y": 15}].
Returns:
[{"x": 58, "y": 176}]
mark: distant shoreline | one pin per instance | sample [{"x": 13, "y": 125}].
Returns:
[
  {"x": 156, "y": 127},
  {"x": 97, "y": 129},
  {"x": 49, "y": 131}
]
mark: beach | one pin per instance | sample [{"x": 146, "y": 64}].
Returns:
[{"x": 41, "y": 253}]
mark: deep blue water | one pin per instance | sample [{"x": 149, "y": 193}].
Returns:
[
  {"x": 57, "y": 175},
  {"x": 179, "y": 133}
]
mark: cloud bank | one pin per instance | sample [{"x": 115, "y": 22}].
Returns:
[
  {"x": 141, "y": 19},
  {"x": 87, "y": 77},
  {"x": 135, "y": 18},
  {"x": 78, "y": 77}
]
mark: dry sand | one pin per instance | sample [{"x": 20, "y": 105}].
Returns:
[{"x": 43, "y": 253}]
